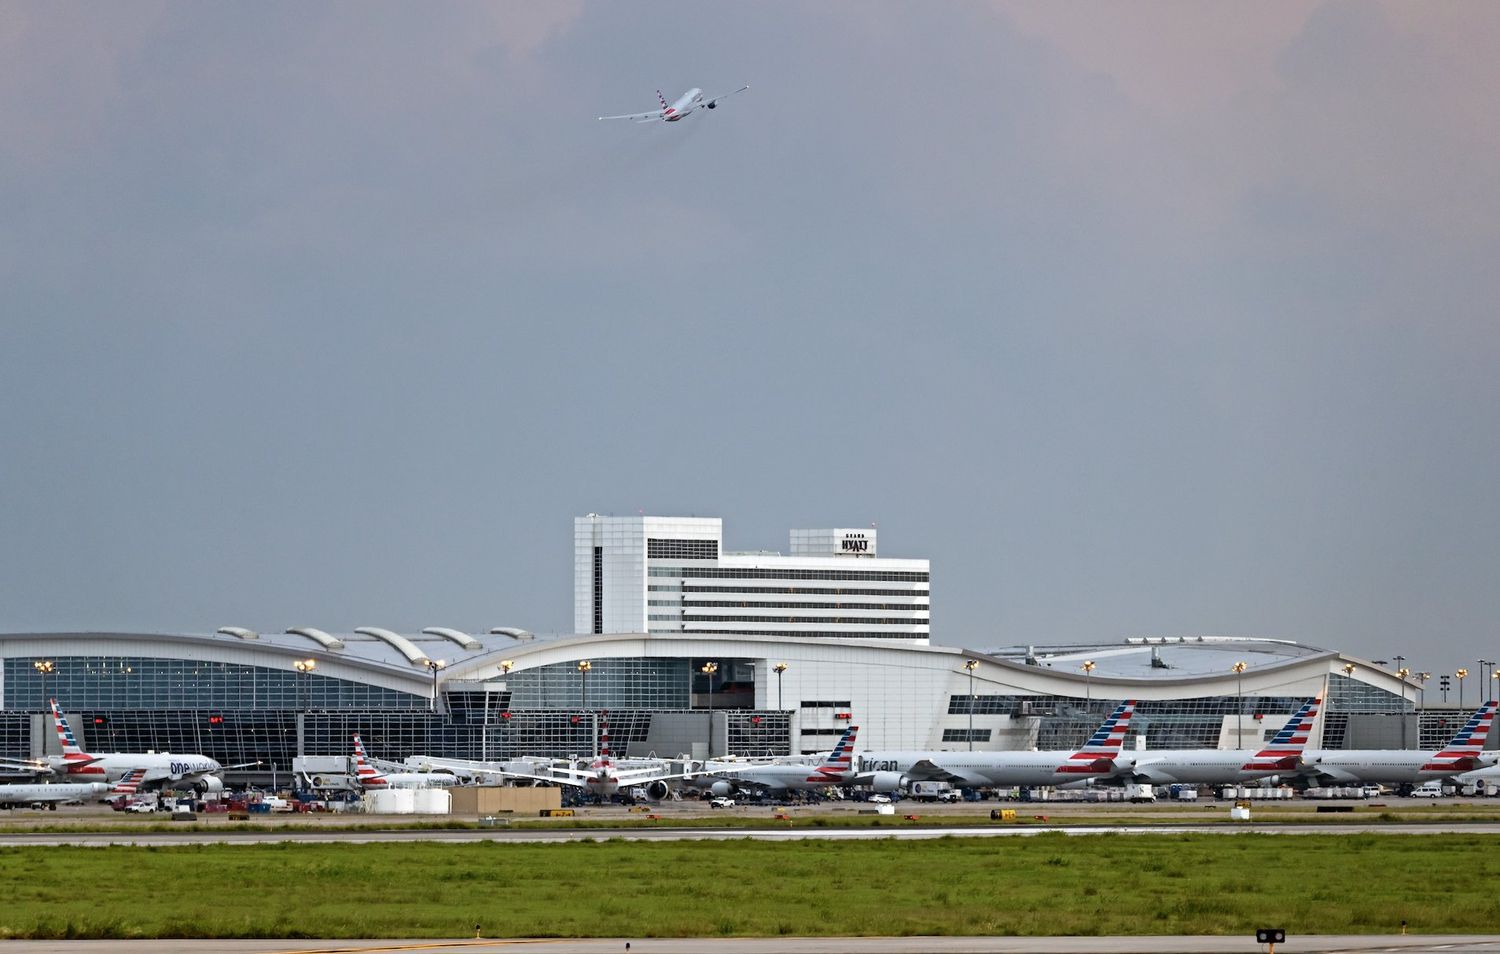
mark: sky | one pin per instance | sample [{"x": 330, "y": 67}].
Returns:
[{"x": 1150, "y": 319}]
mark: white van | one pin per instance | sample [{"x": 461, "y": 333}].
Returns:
[{"x": 1428, "y": 790}]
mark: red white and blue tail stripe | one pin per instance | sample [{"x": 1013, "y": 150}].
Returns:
[
  {"x": 1463, "y": 751},
  {"x": 666, "y": 110},
  {"x": 75, "y": 760},
  {"x": 368, "y": 775},
  {"x": 1284, "y": 751},
  {"x": 1097, "y": 757},
  {"x": 129, "y": 784},
  {"x": 839, "y": 766}
]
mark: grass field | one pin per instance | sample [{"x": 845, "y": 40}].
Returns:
[{"x": 1045, "y": 885}]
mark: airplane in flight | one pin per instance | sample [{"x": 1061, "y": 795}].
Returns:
[
  {"x": 198, "y": 771},
  {"x": 673, "y": 112},
  {"x": 1464, "y": 753},
  {"x": 370, "y": 777},
  {"x": 836, "y": 768},
  {"x": 1283, "y": 756},
  {"x": 52, "y": 794},
  {"x": 892, "y": 771}
]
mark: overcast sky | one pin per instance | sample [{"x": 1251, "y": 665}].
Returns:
[{"x": 1135, "y": 319}]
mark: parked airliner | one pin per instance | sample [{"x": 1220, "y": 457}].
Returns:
[
  {"x": 370, "y": 777},
  {"x": 51, "y": 795},
  {"x": 604, "y": 777},
  {"x": 891, "y": 771},
  {"x": 837, "y": 768},
  {"x": 1282, "y": 756},
  {"x": 199, "y": 771},
  {"x": 1464, "y": 753},
  {"x": 672, "y": 112}
]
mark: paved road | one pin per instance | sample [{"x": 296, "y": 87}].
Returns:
[
  {"x": 1452, "y": 944},
  {"x": 360, "y": 836}
]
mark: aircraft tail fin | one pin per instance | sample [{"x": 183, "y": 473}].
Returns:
[
  {"x": 72, "y": 752},
  {"x": 663, "y": 100},
  {"x": 368, "y": 775},
  {"x": 1104, "y": 746},
  {"x": 839, "y": 765},
  {"x": 1284, "y": 751},
  {"x": 1471, "y": 737},
  {"x": 129, "y": 784}
]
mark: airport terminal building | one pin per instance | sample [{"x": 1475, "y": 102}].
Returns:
[
  {"x": 244, "y": 697},
  {"x": 695, "y": 651}
]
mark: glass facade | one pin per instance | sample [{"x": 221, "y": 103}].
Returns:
[
  {"x": 644, "y": 683},
  {"x": 271, "y": 736},
  {"x": 126, "y": 682}
]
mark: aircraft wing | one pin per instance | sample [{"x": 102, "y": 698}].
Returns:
[
  {"x": 929, "y": 771},
  {"x": 651, "y": 117},
  {"x": 715, "y": 101},
  {"x": 26, "y": 767},
  {"x": 1318, "y": 773}
]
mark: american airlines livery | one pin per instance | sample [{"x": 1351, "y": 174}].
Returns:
[
  {"x": 679, "y": 110},
  {"x": 837, "y": 768},
  {"x": 199, "y": 771},
  {"x": 891, "y": 771},
  {"x": 604, "y": 777},
  {"x": 1464, "y": 753},
  {"x": 1284, "y": 755},
  {"x": 372, "y": 778},
  {"x": 52, "y": 795}
]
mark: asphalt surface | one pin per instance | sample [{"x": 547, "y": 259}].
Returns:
[{"x": 1332, "y": 944}]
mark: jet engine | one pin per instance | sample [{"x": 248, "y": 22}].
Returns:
[
  {"x": 713, "y": 105},
  {"x": 208, "y": 784},
  {"x": 721, "y": 787},
  {"x": 888, "y": 781},
  {"x": 657, "y": 790}
]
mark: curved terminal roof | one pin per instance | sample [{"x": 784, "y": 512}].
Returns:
[
  {"x": 454, "y": 636},
  {"x": 1161, "y": 657},
  {"x": 317, "y": 636},
  {"x": 402, "y": 645},
  {"x": 1144, "y": 668}
]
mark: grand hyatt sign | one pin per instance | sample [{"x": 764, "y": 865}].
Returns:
[{"x": 855, "y": 542}]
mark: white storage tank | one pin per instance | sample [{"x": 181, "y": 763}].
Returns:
[
  {"x": 433, "y": 801},
  {"x": 391, "y": 801}
]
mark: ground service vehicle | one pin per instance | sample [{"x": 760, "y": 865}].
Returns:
[{"x": 721, "y": 801}]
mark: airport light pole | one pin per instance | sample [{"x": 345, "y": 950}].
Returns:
[
  {"x": 303, "y": 667},
  {"x": 584, "y": 667},
  {"x": 1403, "y": 672},
  {"x": 45, "y": 668},
  {"x": 1422, "y": 678},
  {"x": 1461, "y": 674},
  {"x": 1088, "y": 684},
  {"x": 708, "y": 669},
  {"x": 971, "y": 665},
  {"x": 1239, "y": 691},
  {"x": 435, "y": 665},
  {"x": 779, "y": 669}
]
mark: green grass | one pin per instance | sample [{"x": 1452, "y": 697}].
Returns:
[{"x": 1044, "y": 885}]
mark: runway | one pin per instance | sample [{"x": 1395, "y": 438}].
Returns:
[
  {"x": 363, "y": 836},
  {"x": 1332, "y": 944}
]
